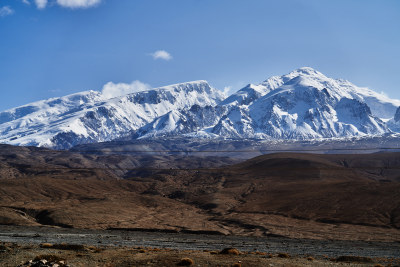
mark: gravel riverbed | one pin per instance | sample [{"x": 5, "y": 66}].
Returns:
[{"x": 125, "y": 238}]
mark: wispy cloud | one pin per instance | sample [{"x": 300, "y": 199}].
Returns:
[
  {"x": 384, "y": 94},
  {"x": 78, "y": 3},
  {"x": 228, "y": 90},
  {"x": 111, "y": 89},
  {"x": 41, "y": 4},
  {"x": 26, "y": 2},
  {"x": 161, "y": 54},
  {"x": 6, "y": 11},
  {"x": 54, "y": 91}
]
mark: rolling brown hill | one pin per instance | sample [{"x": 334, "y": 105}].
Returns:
[{"x": 289, "y": 194}]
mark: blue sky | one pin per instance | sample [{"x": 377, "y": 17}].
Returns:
[{"x": 58, "y": 47}]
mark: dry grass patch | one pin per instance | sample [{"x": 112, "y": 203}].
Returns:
[
  {"x": 64, "y": 246},
  {"x": 284, "y": 255},
  {"x": 354, "y": 259},
  {"x": 185, "y": 262},
  {"x": 230, "y": 251},
  {"x": 46, "y": 245},
  {"x": 94, "y": 249}
]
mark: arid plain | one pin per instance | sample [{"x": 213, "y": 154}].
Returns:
[{"x": 281, "y": 195}]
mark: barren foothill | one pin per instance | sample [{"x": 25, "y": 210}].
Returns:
[{"x": 288, "y": 196}]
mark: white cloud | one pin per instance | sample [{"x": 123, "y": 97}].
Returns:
[
  {"x": 161, "y": 54},
  {"x": 111, "y": 89},
  {"x": 26, "y": 2},
  {"x": 384, "y": 94},
  {"x": 228, "y": 90},
  {"x": 78, "y": 3},
  {"x": 41, "y": 4},
  {"x": 6, "y": 11}
]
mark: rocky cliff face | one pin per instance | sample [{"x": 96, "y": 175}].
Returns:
[
  {"x": 397, "y": 115},
  {"x": 394, "y": 123}
]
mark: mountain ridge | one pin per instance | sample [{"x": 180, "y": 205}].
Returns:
[
  {"x": 98, "y": 119},
  {"x": 303, "y": 104}
]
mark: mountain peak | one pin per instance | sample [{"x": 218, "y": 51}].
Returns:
[
  {"x": 306, "y": 71},
  {"x": 193, "y": 83}
]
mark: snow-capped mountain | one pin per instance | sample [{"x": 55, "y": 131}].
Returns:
[
  {"x": 88, "y": 117},
  {"x": 304, "y": 104},
  {"x": 381, "y": 106},
  {"x": 308, "y": 106}
]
